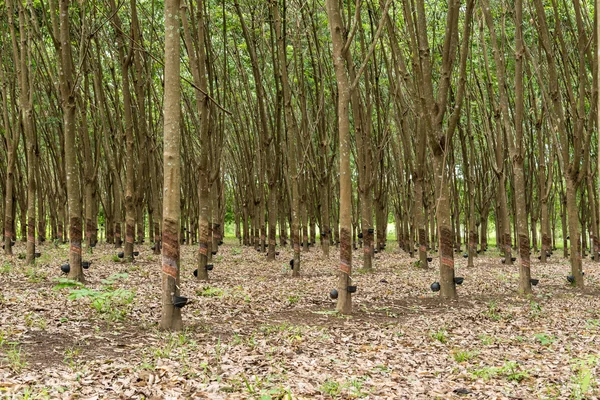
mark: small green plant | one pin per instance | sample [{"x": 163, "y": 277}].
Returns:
[
  {"x": 486, "y": 339},
  {"x": 66, "y": 283},
  {"x": 116, "y": 259},
  {"x": 544, "y": 339},
  {"x": 382, "y": 368},
  {"x": 110, "y": 281},
  {"x": 331, "y": 388},
  {"x": 15, "y": 359},
  {"x": 464, "y": 355},
  {"x": 293, "y": 299},
  {"x": 493, "y": 311},
  {"x": 236, "y": 251},
  {"x": 34, "y": 275},
  {"x": 5, "y": 268},
  {"x": 355, "y": 387},
  {"x": 70, "y": 357},
  {"x": 133, "y": 268},
  {"x": 236, "y": 340},
  {"x": 535, "y": 309},
  {"x": 520, "y": 339},
  {"x": 108, "y": 301},
  {"x": 513, "y": 373},
  {"x": 41, "y": 323},
  {"x": 583, "y": 379},
  {"x": 510, "y": 370},
  {"x": 486, "y": 373},
  {"x": 440, "y": 335},
  {"x": 592, "y": 323},
  {"x": 29, "y": 319},
  {"x": 210, "y": 292}
]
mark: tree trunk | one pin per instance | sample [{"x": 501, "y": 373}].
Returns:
[
  {"x": 336, "y": 28},
  {"x": 171, "y": 315}
]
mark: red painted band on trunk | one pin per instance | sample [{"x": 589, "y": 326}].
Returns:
[
  {"x": 170, "y": 270},
  {"x": 447, "y": 262},
  {"x": 345, "y": 268}
]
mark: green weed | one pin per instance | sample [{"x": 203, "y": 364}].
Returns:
[
  {"x": 331, "y": 388},
  {"x": 464, "y": 355},
  {"x": 583, "y": 380},
  {"x": 441, "y": 335},
  {"x": 5, "y": 268},
  {"x": 493, "y": 311},
  {"x": 293, "y": 299},
  {"x": 544, "y": 339},
  {"x": 16, "y": 362},
  {"x": 210, "y": 292}
]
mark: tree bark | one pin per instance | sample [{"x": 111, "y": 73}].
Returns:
[{"x": 171, "y": 315}]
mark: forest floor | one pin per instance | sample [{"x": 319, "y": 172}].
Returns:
[{"x": 253, "y": 331}]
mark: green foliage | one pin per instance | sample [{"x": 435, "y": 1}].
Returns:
[
  {"x": 66, "y": 283},
  {"x": 493, "y": 311},
  {"x": 15, "y": 359},
  {"x": 544, "y": 339},
  {"x": 210, "y": 292},
  {"x": 5, "y": 268},
  {"x": 583, "y": 380},
  {"x": 511, "y": 371},
  {"x": 109, "y": 302},
  {"x": 535, "y": 309},
  {"x": 440, "y": 335},
  {"x": 35, "y": 275},
  {"x": 330, "y": 387},
  {"x": 486, "y": 339},
  {"x": 464, "y": 355}
]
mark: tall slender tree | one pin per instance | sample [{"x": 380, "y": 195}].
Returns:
[{"x": 171, "y": 315}]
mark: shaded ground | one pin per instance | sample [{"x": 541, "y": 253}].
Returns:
[{"x": 254, "y": 331}]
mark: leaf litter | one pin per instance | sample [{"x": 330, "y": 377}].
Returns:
[{"x": 253, "y": 331}]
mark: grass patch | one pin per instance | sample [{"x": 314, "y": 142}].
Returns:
[
  {"x": 511, "y": 371},
  {"x": 543, "y": 339},
  {"x": 440, "y": 335},
  {"x": 464, "y": 355},
  {"x": 210, "y": 291}
]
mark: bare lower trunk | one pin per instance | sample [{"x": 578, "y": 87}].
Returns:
[
  {"x": 574, "y": 233},
  {"x": 272, "y": 222},
  {"x": 171, "y": 315},
  {"x": 446, "y": 248}
]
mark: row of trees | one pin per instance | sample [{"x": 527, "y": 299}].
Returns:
[{"x": 298, "y": 119}]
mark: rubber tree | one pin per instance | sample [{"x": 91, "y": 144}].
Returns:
[
  {"x": 62, "y": 42},
  {"x": 336, "y": 28},
  {"x": 440, "y": 134},
  {"x": 171, "y": 315}
]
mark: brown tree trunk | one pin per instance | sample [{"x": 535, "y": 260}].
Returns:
[
  {"x": 292, "y": 139},
  {"x": 61, "y": 30},
  {"x": 336, "y": 28},
  {"x": 171, "y": 315}
]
